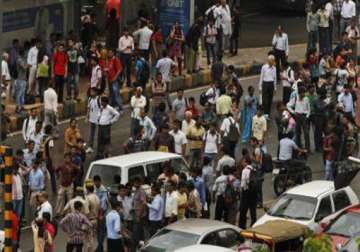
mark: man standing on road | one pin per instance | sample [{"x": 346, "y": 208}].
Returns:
[
  {"x": 51, "y": 107},
  {"x": 32, "y": 61},
  {"x": 267, "y": 84},
  {"x": 230, "y": 131},
  {"x": 114, "y": 71},
  {"x": 107, "y": 116},
  {"x": 60, "y": 71},
  {"x": 144, "y": 36},
  {"x": 337, "y": 6},
  {"x": 280, "y": 44},
  {"x": 312, "y": 27},
  {"x": 29, "y": 124},
  {"x": 102, "y": 194},
  {"x": 137, "y": 102},
  {"x": 179, "y": 138},
  {"x": 126, "y": 47},
  {"x": 75, "y": 225},
  {"x": 92, "y": 116},
  {"x": 324, "y": 34},
  {"x": 348, "y": 12},
  {"x": 113, "y": 228}
]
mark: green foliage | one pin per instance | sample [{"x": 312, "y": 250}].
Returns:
[
  {"x": 318, "y": 243},
  {"x": 358, "y": 242},
  {"x": 261, "y": 249}
]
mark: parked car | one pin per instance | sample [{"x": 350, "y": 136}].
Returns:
[
  {"x": 310, "y": 203},
  {"x": 189, "y": 232},
  {"x": 343, "y": 227},
  {"x": 204, "y": 248},
  {"x": 144, "y": 164},
  {"x": 275, "y": 236}
]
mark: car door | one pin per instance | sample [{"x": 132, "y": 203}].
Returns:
[
  {"x": 325, "y": 209},
  {"x": 341, "y": 200}
]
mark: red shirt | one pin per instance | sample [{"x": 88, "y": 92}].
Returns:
[
  {"x": 194, "y": 111},
  {"x": 113, "y": 4},
  {"x": 15, "y": 226},
  {"x": 51, "y": 230},
  {"x": 114, "y": 66},
  {"x": 60, "y": 62}
]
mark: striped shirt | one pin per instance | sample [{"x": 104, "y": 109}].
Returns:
[{"x": 75, "y": 226}]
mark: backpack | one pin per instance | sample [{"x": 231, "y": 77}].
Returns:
[
  {"x": 256, "y": 179},
  {"x": 144, "y": 72},
  {"x": 233, "y": 134},
  {"x": 266, "y": 162},
  {"x": 229, "y": 194},
  {"x": 203, "y": 99}
]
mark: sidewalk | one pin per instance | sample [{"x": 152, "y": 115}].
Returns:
[{"x": 247, "y": 62}]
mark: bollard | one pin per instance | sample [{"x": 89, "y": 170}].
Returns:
[{"x": 8, "y": 158}]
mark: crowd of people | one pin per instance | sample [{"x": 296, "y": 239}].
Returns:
[{"x": 319, "y": 97}]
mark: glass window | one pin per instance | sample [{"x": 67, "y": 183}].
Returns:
[
  {"x": 169, "y": 240},
  {"x": 341, "y": 200},
  {"x": 294, "y": 207},
  {"x": 179, "y": 165},
  {"x": 228, "y": 238},
  {"x": 346, "y": 225},
  {"x": 153, "y": 171},
  {"x": 210, "y": 239},
  {"x": 325, "y": 209},
  {"x": 137, "y": 171},
  {"x": 107, "y": 173}
]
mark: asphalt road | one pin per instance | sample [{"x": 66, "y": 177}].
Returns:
[{"x": 120, "y": 133}]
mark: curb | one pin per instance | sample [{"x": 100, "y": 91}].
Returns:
[{"x": 71, "y": 108}]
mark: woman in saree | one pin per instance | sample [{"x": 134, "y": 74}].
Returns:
[{"x": 249, "y": 111}]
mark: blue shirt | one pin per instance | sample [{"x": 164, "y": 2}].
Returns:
[
  {"x": 156, "y": 209},
  {"x": 200, "y": 187},
  {"x": 113, "y": 225},
  {"x": 36, "y": 180},
  {"x": 102, "y": 194}
]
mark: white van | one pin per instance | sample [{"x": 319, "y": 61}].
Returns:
[{"x": 147, "y": 164}]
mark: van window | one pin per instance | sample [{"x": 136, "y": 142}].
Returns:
[
  {"x": 179, "y": 165},
  {"x": 228, "y": 238},
  {"x": 325, "y": 209},
  {"x": 107, "y": 173},
  {"x": 153, "y": 171},
  {"x": 341, "y": 200},
  {"x": 137, "y": 171}
]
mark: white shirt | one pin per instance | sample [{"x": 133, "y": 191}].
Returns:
[
  {"x": 32, "y": 56},
  {"x": 330, "y": 9},
  {"x": 125, "y": 43},
  {"x": 347, "y": 102},
  {"x": 5, "y": 70},
  {"x": 348, "y": 9},
  {"x": 45, "y": 208},
  {"x": 268, "y": 74},
  {"x": 50, "y": 100},
  {"x": 144, "y": 35},
  {"x": 28, "y": 127},
  {"x": 295, "y": 105},
  {"x": 287, "y": 146},
  {"x": 136, "y": 104},
  {"x": 164, "y": 66},
  {"x": 108, "y": 115},
  {"x": 185, "y": 126},
  {"x": 171, "y": 206},
  {"x": 223, "y": 19},
  {"x": 17, "y": 191},
  {"x": 37, "y": 140},
  {"x": 211, "y": 142},
  {"x": 288, "y": 76},
  {"x": 281, "y": 42},
  {"x": 94, "y": 109},
  {"x": 179, "y": 139},
  {"x": 95, "y": 76},
  {"x": 149, "y": 127},
  {"x": 127, "y": 205},
  {"x": 226, "y": 160},
  {"x": 212, "y": 95},
  {"x": 259, "y": 127},
  {"x": 225, "y": 126},
  {"x": 245, "y": 178}
]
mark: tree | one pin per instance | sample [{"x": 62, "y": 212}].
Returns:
[{"x": 318, "y": 243}]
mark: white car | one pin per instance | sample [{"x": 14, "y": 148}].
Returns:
[
  {"x": 310, "y": 203},
  {"x": 204, "y": 248},
  {"x": 190, "y": 232}
]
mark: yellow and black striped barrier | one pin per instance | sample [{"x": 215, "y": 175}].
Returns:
[{"x": 7, "y": 153}]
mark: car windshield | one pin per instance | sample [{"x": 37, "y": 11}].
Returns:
[
  {"x": 170, "y": 240},
  {"x": 179, "y": 165},
  {"x": 294, "y": 207},
  {"x": 347, "y": 225},
  {"x": 108, "y": 174}
]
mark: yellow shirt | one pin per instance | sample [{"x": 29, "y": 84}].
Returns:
[
  {"x": 181, "y": 200},
  {"x": 197, "y": 133},
  {"x": 259, "y": 127},
  {"x": 223, "y": 105}
]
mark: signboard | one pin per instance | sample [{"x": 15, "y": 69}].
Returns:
[
  {"x": 39, "y": 18},
  {"x": 175, "y": 10}
]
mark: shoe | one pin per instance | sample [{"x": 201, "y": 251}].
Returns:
[{"x": 89, "y": 150}]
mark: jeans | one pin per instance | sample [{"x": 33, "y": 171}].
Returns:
[
  {"x": 313, "y": 38},
  {"x": 115, "y": 245},
  {"x": 59, "y": 87},
  {"x": 74, "y": 247},
  {"x": 50, "y": 118},
  {"x": 280, "y": 58},
  {"x": 324, "y": 40},
  {"x": 221, "y": 210},
  {"x": 302, "y": 124},
  {"x": 195, "y": 155},
  {"x": 115, "y": 97},
  {"x": 286, "y": 94},
  {"x": 126, "y": 60},
  {"x": 42, "y": 84},
  {"x": 329, "y": 175},
  {"x": 234, "y": 41},
  {"x": 154, "y": 226},
  {"x": 101, "y": 234},
  {"x": 72, "y": 85},
  {"x": 344, "y": 23},
  {"x": 210, "y": 53},
  {"x": 92, "y": 133},
  {"x": 18, "y": 207},
  {"x": 219, "y": 42},
  {"x": 138, "y": 232},
  {"x": 248, "y": 201},
  {"x": 20, "y": 88},
  {"x": 104, "y": 139},
  {"x": 267, "y": 96}
]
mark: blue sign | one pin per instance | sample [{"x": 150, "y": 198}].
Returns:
[
  {"x": 172, "y": 11},
  {"x": 39, "y": 18}
]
